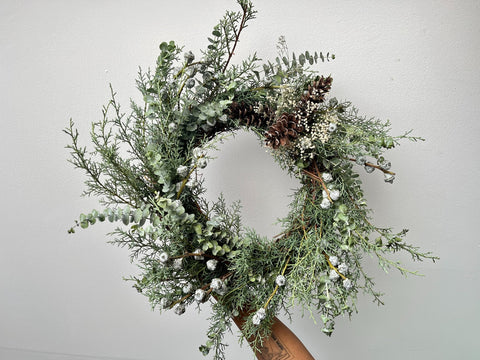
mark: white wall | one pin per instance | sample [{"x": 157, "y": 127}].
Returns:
[{"x": 414, "y": 62}]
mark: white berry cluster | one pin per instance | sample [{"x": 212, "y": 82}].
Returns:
[
  {"x": 259, "y": 316},
  {"x": 330, "y": 194},
  {"x": 340, "y": 268}
]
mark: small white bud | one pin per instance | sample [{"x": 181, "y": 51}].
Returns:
[
  {"x": 163, "y": 257},
  {"x": 179, "y": 309},
  {"x": 388, "y": 178},
  {"x": 327, "y": 177},
  {"x": 202, "y": 163},
  {"x": 280, "y": 280},
  {"x": 182, "y": 170},
  {"x": 164, "y": 303},
  {"x": 178, "y": 264},
  {"x": 335, "y": 194},
  {"x": 172, "y": 126},
  {"x": 325, "y": 204},
  {"x": 343, "y": 268},
  {"x": 361, "y": 160},
  {"x": 256, "y": 320},
  {"x": 198, "y": 257},
  {"x": 178, "y": 186},
  {"x": 261, "y": 313},
  {"x": 216, "y": 284},
  {"x": 212, "y": 264},
  {"x": 386, "y": 165},
  {"x": 223, "y": 290},
  {"x": 190, "y": 83},
  {"x": 332, "y": 127},
  {"x": 369, "y": 169},
  {"x": 333, "y": 260},
  {"x": 333, "y": 275},
  {"x": 347, "y": 284},
  {"x": 187, "y": 288},
  {"x": 199, "y": 295},
  {"x": 199, "y": 153}
]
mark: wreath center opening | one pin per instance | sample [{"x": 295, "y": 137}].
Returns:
[{"x": 243, "y": 170}]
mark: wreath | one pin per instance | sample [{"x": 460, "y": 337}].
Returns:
[{"x": 144, "y": 167}]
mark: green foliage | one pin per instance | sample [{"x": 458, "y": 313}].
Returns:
[{"x": 143, "y": 166}]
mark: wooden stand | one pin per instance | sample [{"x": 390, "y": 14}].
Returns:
[{"x": 282, "y": 344}]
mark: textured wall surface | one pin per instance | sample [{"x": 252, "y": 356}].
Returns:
[{"x": 413, "y": 62}]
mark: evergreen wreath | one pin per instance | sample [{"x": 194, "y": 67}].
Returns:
[{"x": 144, "y": 169}]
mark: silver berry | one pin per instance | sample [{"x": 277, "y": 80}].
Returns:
[
  {"x": 343, "y": 268},
  {"x": 280, "y": 280},
  {"x": 369, "y": 169},
  {"x": 325, "y": 204},
  {"x": 179, "y": 309},
  {"x": 212, "y": 264},
  {"x": 347, "y": 284},
  {"x": 333, "y": 260},
  {"x": 333, "y": 275},
  {"x": 327, "y": 177},
  {"x": 388, "y": 178},
  {"x": 163, "y": 257},
  {"x": 199, "y": 295}
]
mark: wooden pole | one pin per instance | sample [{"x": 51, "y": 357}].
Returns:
[{"x": 282, "y": 344}]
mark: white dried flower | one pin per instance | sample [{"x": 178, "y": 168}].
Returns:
[
  {"x": 333, "y": 275},
  {"x": 172, "y": 126},
  {"x": 179, "y": 309},
  {"x": 212, "y": 264},
  {"x": 280, "y": 280},
  {"x": 333, "y": 260},
  {"x": 163, "y": 257},
  {"x": 325, "y": 204},
  {"x": 332, "y": 127},
  {"x": 198, "y": 257},
  {"x": 199, "y": 295},
  {"x": 335, "y": 194},
  {"x": 347, "y": 284},
  {"x": 223, "y": 118},
  {"x": 327, "y": 177},
  {"x": 216, "y": 284},
  {"x": 187, "y": 288},
  {"x": 343, "y": 268},
  {"x": 182, "y": 170}
]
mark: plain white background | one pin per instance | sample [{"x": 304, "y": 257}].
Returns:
[{"x": 62, "y": 296}]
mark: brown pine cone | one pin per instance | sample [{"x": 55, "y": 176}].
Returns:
[
  {"x": 283, "y": 131},
  {"x": 317, "y": 89},
  {"x": 247, "y": 114}
]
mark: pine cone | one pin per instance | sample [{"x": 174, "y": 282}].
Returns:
[
  {"x": 283, "y": 131},
  {"x": 317, "y": 89},
  {"x": 249, "y": 116}
]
